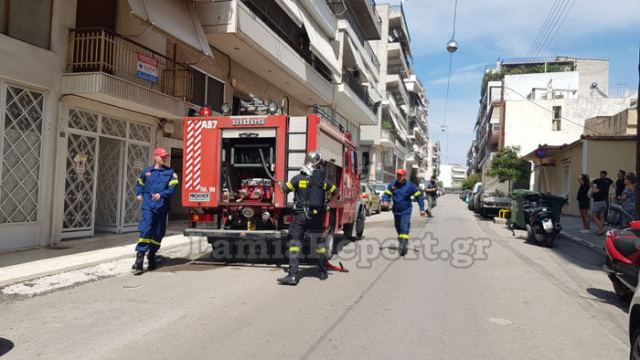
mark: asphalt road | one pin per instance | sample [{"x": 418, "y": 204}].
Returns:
[{"x": 479, "y": 294}]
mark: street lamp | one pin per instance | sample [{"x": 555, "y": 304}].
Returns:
[{"x": 452, "y": 46}]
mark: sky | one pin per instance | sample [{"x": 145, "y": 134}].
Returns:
[{"x": 487, "y": 30}]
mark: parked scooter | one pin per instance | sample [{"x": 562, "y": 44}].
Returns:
[
  {"x": 538, "y": 214},
  {"x": 623, "y": 259},
  {"x": 541, "y": 227}
]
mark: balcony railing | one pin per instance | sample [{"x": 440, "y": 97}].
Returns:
[
  {"x": 360, "y": 90},
  {"x": 100, "y": 50},
  {"x": 272, "y": 15},
  {"x": 338, "y": 9}
]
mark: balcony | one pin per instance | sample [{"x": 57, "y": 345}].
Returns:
[
  {"x": 354, "y": 102},
  {"x": 362, "y": 13},
  {"x": 387, "y": 138},
  {"x": 261, "y": 36},
  {"x": 397, "y": 62},
  {"x": 398, "y": 28},
  {"x": 105, "y": 67},
  {"x": 396, "y": 87}
]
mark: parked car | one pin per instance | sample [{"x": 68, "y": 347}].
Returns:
[
  {"x": 490, "y": 202},
  {"x": 370, "y": 198},
  {"x": 380, "y": 188},
  {"x": 477, "y": 188}
]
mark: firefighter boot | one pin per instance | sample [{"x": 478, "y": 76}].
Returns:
[
  {"x": 151, "y": 257},
  {"x": 294, "y": 254},
  {"x": 137, "y": 266},
  {"x": 322, "y": 264},
  {"x": 290, "y": 279},
  {"x": 403, "y": 247}
]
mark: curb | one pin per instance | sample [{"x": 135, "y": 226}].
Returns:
[
  {"x": 595, "y": 248},
  {"x": 81, "y": 265}
]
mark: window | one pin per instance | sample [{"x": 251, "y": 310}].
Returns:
[
  {"x": 27, "y": 20},
  {"x": 557, "y": 118},
  {"x": 21, "y": 129},
  {"x": 207, "y": 90}
]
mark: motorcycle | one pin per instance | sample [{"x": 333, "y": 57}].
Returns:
[
  {"x": 541, "y": 225},
  {"x": 623, "y": 259}
]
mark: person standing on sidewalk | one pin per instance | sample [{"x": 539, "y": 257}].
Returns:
[
  {"x": 600, "y": 195},
  {"x": 628, "y": 196},
  {"x": 155, "y": 186},
  {"x": 431, "y": 189},
  {"x": 620, "y": 183},
  {"x": 584, "y": 202},
  {"x": 401, "y": 192}
]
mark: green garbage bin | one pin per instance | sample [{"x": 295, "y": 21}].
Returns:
[{"x": 518, "y": 199}]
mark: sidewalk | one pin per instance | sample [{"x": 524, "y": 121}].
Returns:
[
  {"x": 70, "y": 255},
  {"x": 571, "y": 226}
]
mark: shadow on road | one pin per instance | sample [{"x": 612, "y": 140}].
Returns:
[
  {"x": 609, "y": 297},
  {"x": 570, "y": 251},
  {"x": 6, "y": 345}
]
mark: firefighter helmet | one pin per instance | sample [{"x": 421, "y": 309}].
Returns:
[{"x": 314, "y": 158}]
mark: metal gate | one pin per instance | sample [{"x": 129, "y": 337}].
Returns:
[{"x": 104, "y": 158}]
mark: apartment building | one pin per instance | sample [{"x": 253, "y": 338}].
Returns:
[
  {"x": 528, "y": 102},
  {"x": 89, "y": 92},
  {"x": 400, "y": 138},
  {"x": 452, "y": 176}
]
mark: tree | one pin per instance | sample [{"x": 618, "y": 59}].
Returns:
[
  {"x": 507, "y": 165},
  {"x": 469, "y": 182}
]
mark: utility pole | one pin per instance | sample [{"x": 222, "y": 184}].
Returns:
[{"x": 638, "y": 141}]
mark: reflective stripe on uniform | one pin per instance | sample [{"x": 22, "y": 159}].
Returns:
[
  {"x": 173, "y": 182},
  {"x": 324, "y": 186},
  {"x": 418, "y": 193},
  {"x": 388, "y": 192},
  {"x": 140, "y": 182},
  {"x": 294, "y": 248},
  {"x": 290, "y": 186},
  {"x": 302, "y": 184},
  {"x": 321, "y": 250},
  {"x": 148, "y": 241},
  {"x": 333, "y": 188},
  {"x": 403, "y": 236}
]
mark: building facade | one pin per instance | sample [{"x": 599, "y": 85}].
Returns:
[
  {"x": 87, "y": 94},
  {"x": 527, "y": 102},
  {"x": 452, "y": 176},
  {"x": 400, "y": 139}
]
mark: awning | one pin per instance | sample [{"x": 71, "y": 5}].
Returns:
[
  {"x": 401, "y": 131},
  {"x": 320, "y": 44},
  {"x": 357, "y": 56},
  {"x": 292, "y": 9},
  {"x": 176, "y": 18}
]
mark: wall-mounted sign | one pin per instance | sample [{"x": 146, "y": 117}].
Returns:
[
  {"x": 541, "y": 152},
  {"x": 147, "y": 68},
  {"x": 80, "y": 163}
]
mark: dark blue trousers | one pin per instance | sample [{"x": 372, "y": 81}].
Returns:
[
  {"x": 152, "y": 227},
  {"x": 402, "y": 222}
]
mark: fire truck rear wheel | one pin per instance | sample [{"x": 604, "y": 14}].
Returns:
[{"x": 360, "y": 225}]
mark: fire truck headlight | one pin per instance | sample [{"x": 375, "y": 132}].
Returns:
[
  {"x": 248, "y": 212},
  {"x": 272, "y": 107},
  {"x": 266, "y": 216}
]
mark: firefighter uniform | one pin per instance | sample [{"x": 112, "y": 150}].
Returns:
[
  {"x": 153, "y": 222},
  {"x": 401, "y": 194},
  {"x": 309, "y": 209}
]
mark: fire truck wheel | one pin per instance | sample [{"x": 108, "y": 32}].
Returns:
[{"x": 360, "y": 225}]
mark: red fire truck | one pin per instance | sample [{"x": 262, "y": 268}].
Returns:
[{"x": 234, "y": 168}]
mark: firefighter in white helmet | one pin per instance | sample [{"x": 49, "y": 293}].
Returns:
[{"x": 310, "y": 188}]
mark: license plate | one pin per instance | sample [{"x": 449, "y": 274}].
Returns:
[
  {"x": 547, "y": 224},
  {"x": 200, "y": 197}
]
